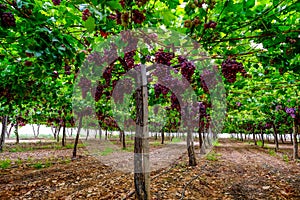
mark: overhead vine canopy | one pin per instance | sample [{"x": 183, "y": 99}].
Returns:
[{"x": 43, "y": 44}]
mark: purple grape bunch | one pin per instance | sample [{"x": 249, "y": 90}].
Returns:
[
  {"x": 291, "y": 112},
  {"x": 160, "y": 89},
  {"x": 187, "y": 68},
  {"x": 230, "y": 68},
  {"x": 8, "y": 19},
  {"x": 164, "y": 58},
  {"x": 56, "y": 2}
]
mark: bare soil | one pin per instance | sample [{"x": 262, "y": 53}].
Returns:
[{"x": 239, "y": 171}]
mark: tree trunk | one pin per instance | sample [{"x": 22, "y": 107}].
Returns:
[
  {"x": 291, "y": 137},
  {"x": 106, "y": 134},
  {"x": 123, "y": 139},
  {"x": 120, "y": 136},
  {"x": 241, "y": 136},
  {"x": 87, "y": 134},
  {"x": 38, "y": 130},
  {"x": 141, "y": 141},
  {"x": 200, "y": 140},
  {"x": 63, "y": 141},
  {"x": 54, "y": 132},
  {"x": 33, "y": 130},
  {"x": 77, "y": 137},
  {"x": 262, "y": 138},
  {"x": 275, "y": 137},
  {"x": 190, "y": 148},
  {"x": 162, "y": 136},
  {"x": 9, "y": 132},
  {"x": 17, "y": 133},
  {"x": 281, "y": 139},
  {"x": 100, "y": 133},
  {"x": 155, "y": 136},
  {"x": 4, "y": 126},
  {"x": 253, "y": 131},
  {"x": 295, "y": 143},
  {"x": 57, "y": 136}
]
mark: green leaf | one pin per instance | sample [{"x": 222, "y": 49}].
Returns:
[
  {"x": 114, "y": 5},
  {"x": 90, "y": 24},
  {"x": 249, "y": 3}
]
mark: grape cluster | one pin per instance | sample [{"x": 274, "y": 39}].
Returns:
[
  {"x": 138, "y": 17},
  {"x": 230, "y": 68},
  {"x": 67, "y": 69},
  {"x": 202, "y": 109},
  {"x": 122, "y": 3},
  {"x": 56, "y": 2},
  {"x": 164, "y": 58},
  {"x": 291, "y": 112},
  {"x": 85, "y": 85},
  {"x": 86, "y": 14},
  {"x": 175, "y": 103},
  {"x": 187, "y": 68},
  {"x": 107, "y": 75},
  {"x": 3, "y": 7},
  {"x": 128, "y": 57},
  {"x": 210, "y": 24},
  {"x": 98, "y": 93},
  {"x": 8, "y": 19},
  {"x": 160, "y": 89},
  {"x": 290, "y": 40},
  {"x": 278, "y": 107},
  {"x": 268, "y": 126}
]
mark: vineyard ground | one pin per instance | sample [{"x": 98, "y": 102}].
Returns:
[{"x": 232, "y": 170}]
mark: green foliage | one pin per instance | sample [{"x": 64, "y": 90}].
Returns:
[
  {"x": 106, "y": 151},
  {"x": 5, "y": 163},
  {"x": 216, "y": 143},
  {"x": 38, "y": 165},
  {"x": 272, "y": 152},
  {"x": 212, "y": 156},
  {"x": 259, "y": 143},
  {"x": 176, "y": 140},
  {"x": 285, "y": 158}
]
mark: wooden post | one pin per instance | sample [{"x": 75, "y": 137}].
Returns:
[
  {"x": 2, "y": 138},
  {"x": 295, "y": 143},
  {"x": 141, "y": 142}
]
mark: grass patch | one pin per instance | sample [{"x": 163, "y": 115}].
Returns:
[
  {"x": 212, "y": 156},
  {"x": 38, "y": 165},
  {"x": 129, "y": 148},
  {"x": 216, "y": 143},
  {"x": 106, "y": 151},
  {"x": 285, "y": 158},
  {"x": 156, "y": 144},
  {"x": 259, "y": 143},
  {"x": 129, "y": 141},
  {"x": 176, "y": 140},
  {"x": 272, "y": 152},
  {"x": 5, "y": 163}
]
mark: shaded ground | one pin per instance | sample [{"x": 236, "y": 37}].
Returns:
[{"x": 234, "y": 170}]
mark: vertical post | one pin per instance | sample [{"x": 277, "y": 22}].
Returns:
[
  {"x": 2, "y": 138},
  {"x": 295, "y": 143},
  {"x": 141, "y": 142}
]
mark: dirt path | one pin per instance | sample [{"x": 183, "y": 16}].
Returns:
[{"x": 242, "y": 171}]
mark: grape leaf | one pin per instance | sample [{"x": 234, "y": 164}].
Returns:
[{"x": 90, "y": 24}]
